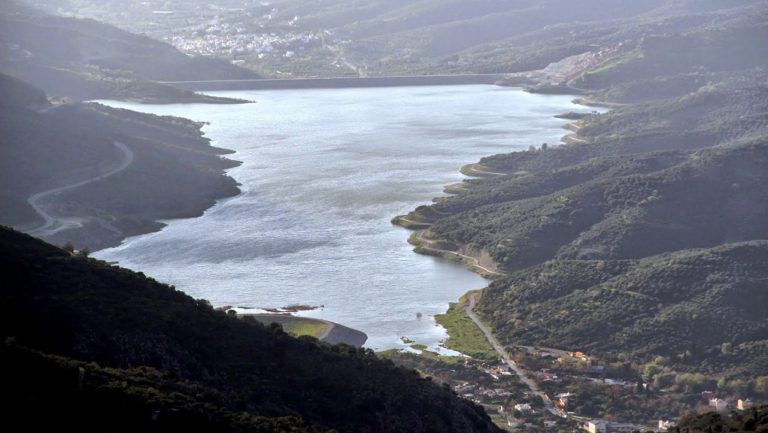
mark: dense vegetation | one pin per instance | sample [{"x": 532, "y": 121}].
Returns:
[
  {"x": 428, "y": 36},
  {"x": 643, "y": 238},
  {"x": 109, "y": 349},
  {"x": 683, "y": 306},
  {"x": 85, "y": 59},
  {"x": 644, "y": 241},
  {"x": 751, "y": 420},
  {"x": 174, "y": 172},
  {"x": 464, "y": 335}
]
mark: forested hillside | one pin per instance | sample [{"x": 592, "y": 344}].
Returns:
[
  {"x": 101, "y": 348},
  {"x": 378, "y": 37},
  {"x": 684, "y": 306},
  {"x": 643, "y": 237},
  {"x": 86, "y": 59},
  {"x": 171, "y": 170},
  {"x": 753, "y": 420}
]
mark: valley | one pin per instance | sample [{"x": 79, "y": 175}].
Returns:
[{"x": 582, "y": 184}]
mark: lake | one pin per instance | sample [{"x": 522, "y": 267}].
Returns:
[{"x": 323, "y": 173}]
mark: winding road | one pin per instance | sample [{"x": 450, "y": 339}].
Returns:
[
  {"x": 474, "y": 260},
  {"x": 479, "y": 170},
  {"x": 470, "y": 310},
  {"x": 52, "y": 224}
]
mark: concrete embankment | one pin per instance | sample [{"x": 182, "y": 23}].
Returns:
[
  {"x": 324, "y": 330},
  {"x": 342, "y": 334},
  {"x": 336, "y": 83}
]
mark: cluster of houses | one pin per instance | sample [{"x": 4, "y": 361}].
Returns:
[
  {"x": 602, "y": 426},
  {"x": 226, "y": 40},
  {"x": 497, "y": 371},
  {"x": 571, "y": 67},
  {"x": 479, "y": 394},
  {"x": 723, "y": 404},
  {"x": 593, "y": 372},
  {"x": 717, "y": 404},
  {"x": 545, "y": 375},
  {"x": 217, "y": 38}
]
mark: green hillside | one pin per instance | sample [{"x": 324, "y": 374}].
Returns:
[
  {"x": 174, "y": 172},
  {"x": 148, "y": 356},
  {"x": 636, "y": 186},
  {"x": 683, "y": 306},
  {"x": 642, "y": 238},
  {"x": 86, "y": 59},
  {"x": 421, "y": 36},
  {"x": 752, "y": 420},
  {"x": 626, "y": 216}
]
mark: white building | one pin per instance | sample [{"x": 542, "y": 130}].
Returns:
[
  {"x": 665, "y": 425},
  {"x": 595, "y": 426},
  {"x": 523, "y": 407},
  {"x": 743, "y": 404},
  {"x": 719, "y": 404}
]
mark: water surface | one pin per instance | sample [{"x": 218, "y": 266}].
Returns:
[{"x": 323, "y": 173}]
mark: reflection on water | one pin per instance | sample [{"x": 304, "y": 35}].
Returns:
[{"x": 323, "y": 173}]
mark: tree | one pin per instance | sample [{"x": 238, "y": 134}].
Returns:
[
  {"x": 640, "y": 387},
  {"x": 737, "y": 386},
  {"x": 650, "y": 370},
  {"x": 69, "y": 247},
  {"x": 693, "y": 382},
  {"x": 663, "y": 380},
  {"x": 761, "y": 386}
]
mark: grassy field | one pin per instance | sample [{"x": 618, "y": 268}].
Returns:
[{"x": 464, "y": 335}]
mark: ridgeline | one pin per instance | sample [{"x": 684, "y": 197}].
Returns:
[{"x": 102, "y": 348}]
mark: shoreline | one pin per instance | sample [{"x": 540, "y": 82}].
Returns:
[
  {"x": 413, "y": 220},
  {"x": 338, "y": 82},
  {"x": 473, "y": 262},
  {"x": 471, "y": 169},
  {"x": 324, "y": 330},
  {"x": 153, "y": 223}
]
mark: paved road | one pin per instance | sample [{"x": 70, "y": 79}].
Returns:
[
  {"x": 478, "y": 170},
  {"x": 53, "y": 224},
  {"x": 474, "y": 260},
  {"x": 470, "y": 310},
  {"x": 339, "y": 53}
]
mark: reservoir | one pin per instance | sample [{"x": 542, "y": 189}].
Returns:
[{"x": 324, "y": 171}]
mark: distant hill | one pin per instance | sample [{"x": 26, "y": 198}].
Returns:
[
  {"x": 86, "y": 59},
  {"x": 173, "y": 171},
  {"x": 381, "y": 37},
  {"x": 96, "y": 347}
]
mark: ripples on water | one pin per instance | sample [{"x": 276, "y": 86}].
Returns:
[{"x": 323, "y": 173}]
